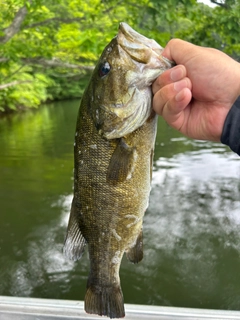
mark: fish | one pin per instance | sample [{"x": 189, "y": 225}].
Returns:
[{"x": 113, "y": 159}]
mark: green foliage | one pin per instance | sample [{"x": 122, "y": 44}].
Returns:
[
  {"x": 218, "y": 27},
  {"x": 67, "y": 87},
  {"x": 28, "y": 92},
  {"x": 47, "y": 56}
]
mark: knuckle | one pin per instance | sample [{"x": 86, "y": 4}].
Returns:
[{"x": 162, "y": 98}]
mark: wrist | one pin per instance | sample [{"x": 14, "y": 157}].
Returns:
[
  {"x": 231, "y": 129},
  {"x": 238, "y": 78}
]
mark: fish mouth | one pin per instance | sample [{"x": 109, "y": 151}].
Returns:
[
  {"x": 140, "y": 48},
  {"x": 134, "y": 37}
]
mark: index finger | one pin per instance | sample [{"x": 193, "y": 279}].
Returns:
[{"x": 169, "y": 76}]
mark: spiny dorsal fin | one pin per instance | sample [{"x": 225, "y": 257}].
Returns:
[
  {"x": 122, "y": 162},
  {"x": 135, "y": 254},
  {"x": 74, "y": 242}
]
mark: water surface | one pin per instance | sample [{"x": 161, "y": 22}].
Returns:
[{"x": 191, "y": 228}]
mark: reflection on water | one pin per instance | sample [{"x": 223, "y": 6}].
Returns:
[
  {"x": 45, "y": 269},
  {"x": 191, "y": 228}
]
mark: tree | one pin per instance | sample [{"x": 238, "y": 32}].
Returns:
[
  {"x": 49, "y": 48},
  {"x": 215, "y": 27}
]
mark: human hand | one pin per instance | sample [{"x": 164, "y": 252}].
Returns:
[{"x": 195, "y": 96}]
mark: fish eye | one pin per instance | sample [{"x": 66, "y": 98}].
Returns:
[{"x": 104, "y": 69}]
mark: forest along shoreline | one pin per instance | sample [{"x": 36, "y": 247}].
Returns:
[{"x": 48, "y": 50}]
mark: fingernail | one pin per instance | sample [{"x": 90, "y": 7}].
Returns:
[
  {"x": 179, "y": 85},
  {"x": 176, "y": 74}
]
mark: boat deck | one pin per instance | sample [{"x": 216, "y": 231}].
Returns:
[{"x": 14, "y": 308}]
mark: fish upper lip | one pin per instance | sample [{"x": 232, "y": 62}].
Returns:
[
  {"x": 131, "y": 36},
  {"x": 135, "y": 58},
  {"x": 138, "y": 39}
]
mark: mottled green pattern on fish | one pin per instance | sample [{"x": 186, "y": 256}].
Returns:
[{"x": 114, "y": 143}]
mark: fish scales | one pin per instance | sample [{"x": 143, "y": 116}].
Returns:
[{"x": 113, "y": 152}]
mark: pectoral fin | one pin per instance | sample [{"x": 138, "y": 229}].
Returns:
[
  {"x": 74, "y": 242},
  {"x": 122, "y": 163},
  {"x": 135, "y": 254}
]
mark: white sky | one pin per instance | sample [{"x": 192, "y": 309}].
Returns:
[{"x": 208, "y": 2}]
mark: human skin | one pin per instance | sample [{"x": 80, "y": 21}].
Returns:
[{"x": 195, "y": 96}]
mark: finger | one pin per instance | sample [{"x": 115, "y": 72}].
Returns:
[
  {"x": 174, "y": 109},
  {"x": 169, "y": 92},
  {"x": 175, "y": 95},
  {"x": 175, "y": 102},
  {"x": 175, "y": 74},
  {"x": 178, "y": 50}
]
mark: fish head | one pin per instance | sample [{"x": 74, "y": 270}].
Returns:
[{"x": 120, "y": 87}]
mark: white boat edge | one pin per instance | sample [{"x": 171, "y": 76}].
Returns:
[{"x": 17, "y": 308}]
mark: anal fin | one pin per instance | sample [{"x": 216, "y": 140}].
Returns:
[
  {"x": 122, "y": 163},
  {"x": 135, "y": 254},
  {"x": 74, "y": 242}
]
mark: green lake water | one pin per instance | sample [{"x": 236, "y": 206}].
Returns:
[{"x": 191, "y": 228}]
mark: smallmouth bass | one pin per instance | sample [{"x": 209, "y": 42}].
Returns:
[{"x": 113, "y": 153}]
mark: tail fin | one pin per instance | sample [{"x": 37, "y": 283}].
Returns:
[{"x": 105, "y": 301}]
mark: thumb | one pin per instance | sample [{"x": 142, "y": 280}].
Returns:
[{"x": 178, "y": 50}]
